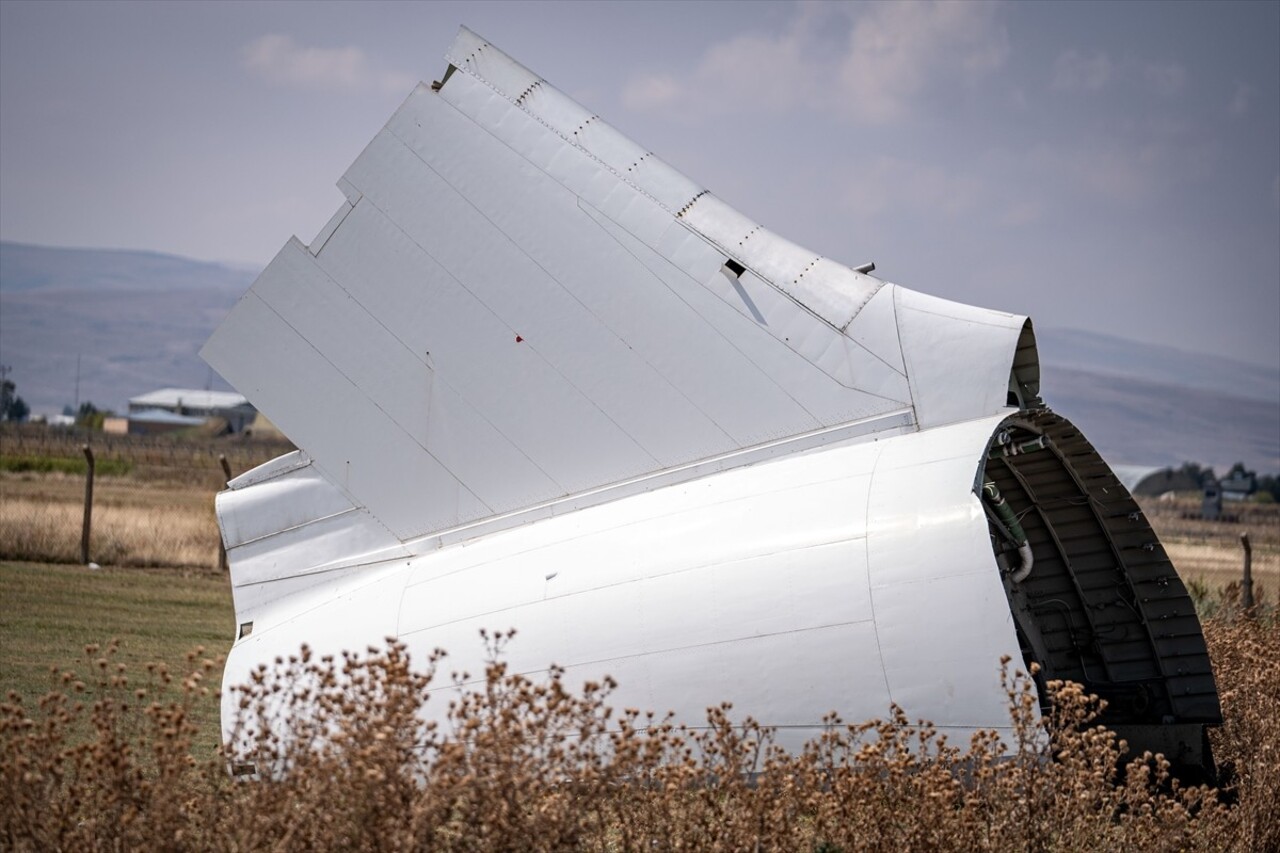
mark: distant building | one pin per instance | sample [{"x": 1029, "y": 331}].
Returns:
[
  {"x": 1211, "y": 505},
  {"x": 158, "y": 421},
  {"x": 1239, "y": 486},
  {"x": 150, "y": 411}
]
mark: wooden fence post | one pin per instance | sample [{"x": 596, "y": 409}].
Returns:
[
  {"x": 88, "y": 506},
  {"x": 226, "y": 478},
  {"x": 1246, "y": 584}
]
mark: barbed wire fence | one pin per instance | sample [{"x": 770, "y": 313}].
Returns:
[
  {"x": 82, "y": 496},
  {"x": 149, "y": 501}
]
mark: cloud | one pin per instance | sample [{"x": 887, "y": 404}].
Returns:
[
  {"x": 900, "y": 49},
  {"x": 937, "y": 193},
  {"x": 282, "y": 60},
  {"x": 1122, "y": 170},
  {"x": 651, "y": 92},
  {"x": 748, "y": 71},
  {"x": 1074, "y": 72},
  {"x": 1241, "y": 100},
  {"x": 1166, "y": 79},
  {"x": 868, "y": 62},
  {"x": 927, "y": 189},
  {"x": 1020, "y": 213}
]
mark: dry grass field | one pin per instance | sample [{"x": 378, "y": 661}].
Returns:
[
  {"x": 103, "y": 747},
  {"x": 153, "y": 497},
  {"x": 1210, "y": 551},
  {"x": 135, "y": 522}
]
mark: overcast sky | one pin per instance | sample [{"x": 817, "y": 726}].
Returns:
[{"x": 1113, "y": 167}]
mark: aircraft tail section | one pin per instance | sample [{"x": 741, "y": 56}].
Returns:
[{"x": 516, "y": 304}]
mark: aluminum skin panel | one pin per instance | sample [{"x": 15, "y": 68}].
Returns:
[
  {"x": 758, "y": 666},
  {"x": 473, "y": 53},
  {"x": 281, "y": 503},
  {"x": 939, "y": 603},
  {"x": 875, "y": 329},
  {"x": 366, "y": 451},
  {"x": 863, "y": 375},
  {"x": 571, "y": 121},
  {"x": 496, "y": 405},
  {"x": 554, "y": 278},
  {"x": 791, "y": 323},
  {"x": 270, "y": 469},
  {"x": 832, "y": 291},
  {"x": 609, "y": 282},
  {"x": 332, "y": 225},
  {"x": 277, "y": 567},
  {"x": 633, "y": 213},
  {"x": 287, "y": 520},
  {"x": 529, "y": 391},
  {"x": 958, "y": 357},
  {"x": 778, "y": 586},
  {"x": 839, "y": 291}
]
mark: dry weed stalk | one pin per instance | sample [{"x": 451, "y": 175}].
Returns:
[
  {"x": 1246, "y": 658},
  {"x": 529, "y": 764}
]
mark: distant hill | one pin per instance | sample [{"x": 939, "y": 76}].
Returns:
[
  {"x": 1072, "y": 349},
  {"x": 26, "y": 268},
  {"x": 1152, "y": 405},
  {"x": 138, "y": 319},
  {"x": 135, "y": 319},
  {"x": 1138, "y": 422}
]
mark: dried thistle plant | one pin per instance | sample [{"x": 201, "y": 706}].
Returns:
[{"x": 104, "y": 762}]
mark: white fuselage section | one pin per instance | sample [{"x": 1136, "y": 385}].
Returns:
[{"x": 839, "y": 578}]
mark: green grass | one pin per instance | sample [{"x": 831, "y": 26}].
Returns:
[
  {"x": 51, "y": 612},
  {"x": 63, "y": 465}
]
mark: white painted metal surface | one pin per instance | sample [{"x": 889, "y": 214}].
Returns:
[
  {"x": 192, "y": 398},
  {"x": 837, "y": 578},
  {"x": 504, "y": 317},
  {"x": 530, "y": 390}
]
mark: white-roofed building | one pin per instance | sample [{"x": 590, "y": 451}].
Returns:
[{"x": 237, "y": 411}]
